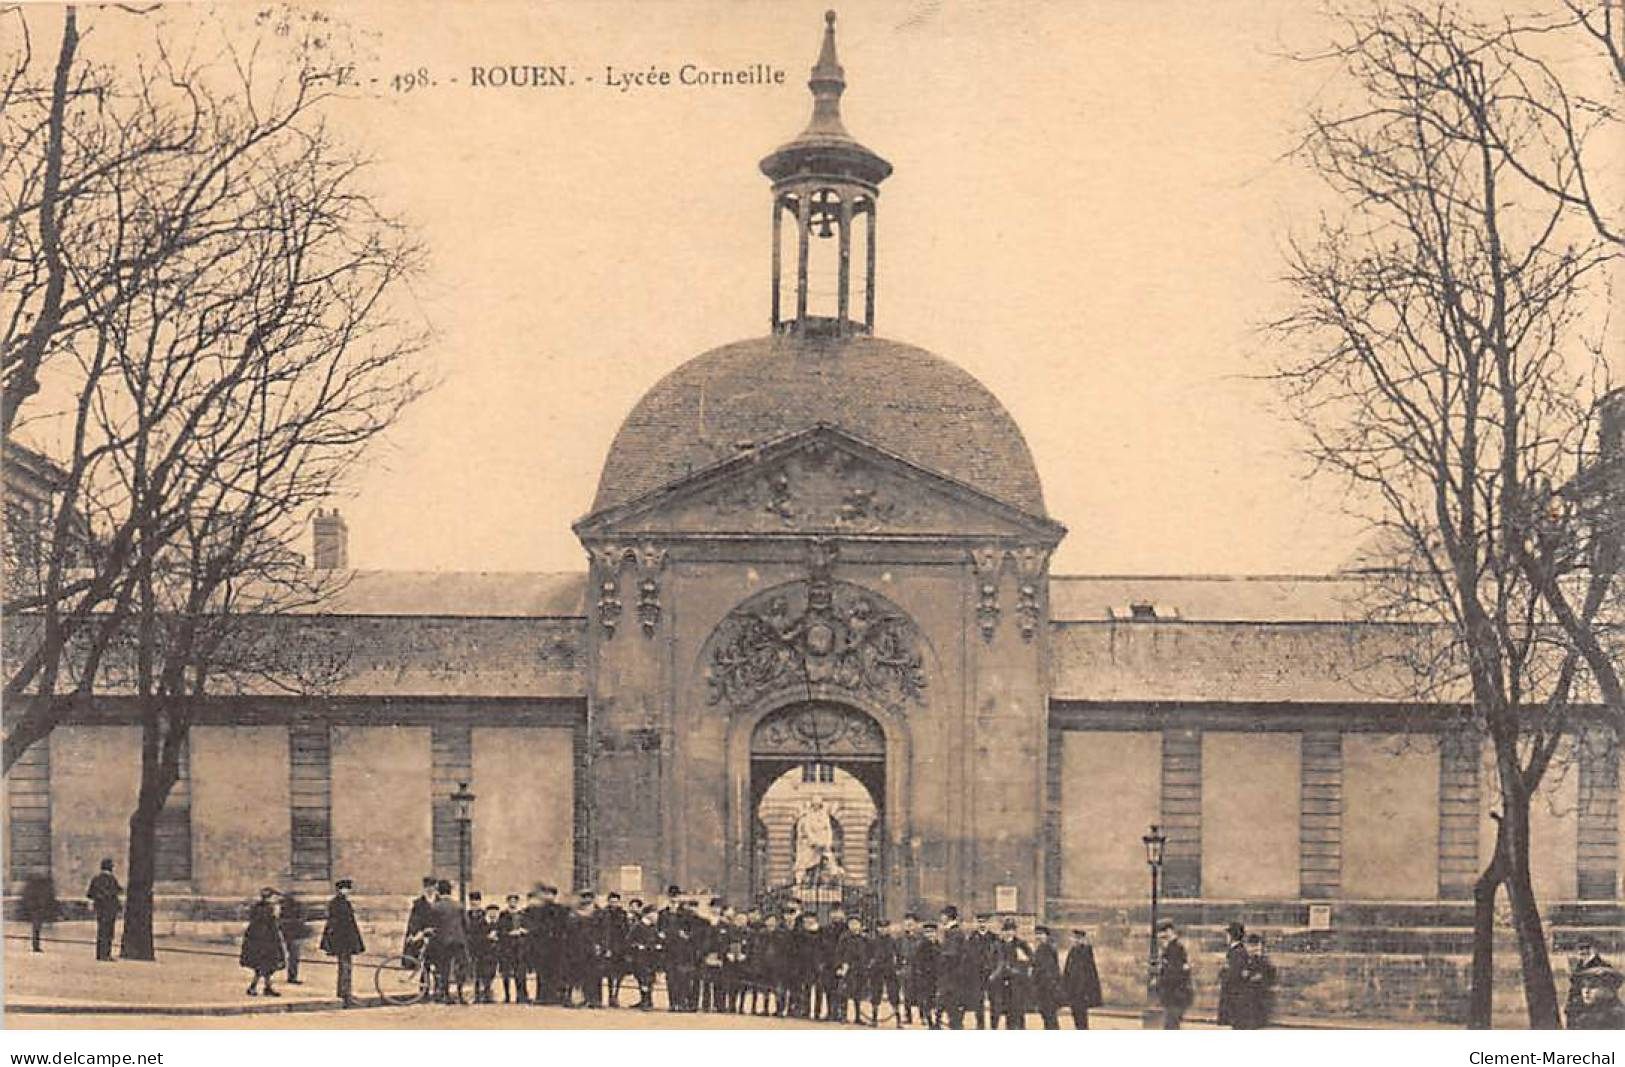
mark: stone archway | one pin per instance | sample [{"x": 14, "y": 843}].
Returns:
[{"x": 826, "y": 751}]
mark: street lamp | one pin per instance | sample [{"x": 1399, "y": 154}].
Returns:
[
  {"x": 462, "y": 809},
  {"x": 1154, "y": 842}
]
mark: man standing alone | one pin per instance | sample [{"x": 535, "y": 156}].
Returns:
[
  {"x": 341, "y": 938},
  {"x": 104, "y": 893}
]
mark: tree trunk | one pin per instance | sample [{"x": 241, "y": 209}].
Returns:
[
  {"x": 1481, "y": 998},
  {"x": 1539, "y": 985},
  {"x": 137, "y": 943}
]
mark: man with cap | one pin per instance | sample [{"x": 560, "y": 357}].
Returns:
[
  {"x": 885, "y": 973},
  {"x": 548, "y": 923},
  {"x": 960, "y": 978},
  {"x": 1599, "y": 1007},
  {"x": 341, "y": 938},
  {"x": 643, "y": 946},
  {"x": 613, "y": 927},
  {"x": 513, "y": 952},
  {"x": 923, "y": 976},
  {"x": 1046, "y": 978},
  {"x": 908, "y": 945},
  {"x": 482, "y": 945},
  {"x": 1172, "y": 977},
  {"x": 104, "y": 892},
  {"x": 986, "y": 942},
  {"x": 584, "y": 953},
  {"x": 1235, "y": 958},
  {"x": 1080, "y": 979},
  {"x": 851, "y": 971}
]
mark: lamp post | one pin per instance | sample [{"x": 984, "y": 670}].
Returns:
[
  {"x": 462, "y": 809},
  {"x": 1154, "y": 844}
]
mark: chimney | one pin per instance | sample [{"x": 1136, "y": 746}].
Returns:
[{"x": 332, "y": 540}]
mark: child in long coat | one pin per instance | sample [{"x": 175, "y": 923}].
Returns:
[{"x": 263, "y": 951}]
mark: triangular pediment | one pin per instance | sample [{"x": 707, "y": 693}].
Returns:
[{"x": 819, "y": 481}]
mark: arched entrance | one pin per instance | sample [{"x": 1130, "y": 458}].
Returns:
[{"x": 829, "y": 755}]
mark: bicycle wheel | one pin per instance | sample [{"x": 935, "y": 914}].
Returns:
[{"x": 401, "y": 980}]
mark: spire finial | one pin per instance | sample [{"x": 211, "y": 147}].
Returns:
[{"x": 827, "y": 83}]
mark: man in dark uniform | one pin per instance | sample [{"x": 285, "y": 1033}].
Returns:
[
  {"x": 417, "y": 920},
  {"x": 448, "y": 949},
  {"x": 684, "y": 940},
  {"x": 538, "y": 945},
  {"x": 341, "y": 939},
  {"x": 767, "y": 963},
  {"x": 104, "y": 893},
  {"x": 710, "y": 953},
  {"x": 581, "y": 956},
  {"x": 960, "y": 972},
  {"x": 1173, "y": 975},
  {"x": 908, "y": 946},
  {"x": 851, "y": 971},
  {"x": 1235, "y": 958},
  {"x": 1080, "y": 980},
  {"x": 1046, "y": 978},
  {"x": 1255, "y": 994},
  {"x": 614, "y": 925},
  {"x": 482, "y": 945},
  {"x": 643, "y": 946},
  {"x": 923, "y": 976},
  {"x": 885, "y": 973},
  {"x": 547, "y": 927},
  {"x": 1010, "y": 978},
  {"x": 513, "y": 952},
  {"x": 819, "y": 964},
  {"x": 986, "y": 948},
  {"x": 734, "y": 941}
]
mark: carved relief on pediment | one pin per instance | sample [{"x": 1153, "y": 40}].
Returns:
[
  {"x": 816, "y": 635},
  {"x": 818, "y": 488}
]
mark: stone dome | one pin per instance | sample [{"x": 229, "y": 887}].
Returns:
[{"x": 896, "y": 397}]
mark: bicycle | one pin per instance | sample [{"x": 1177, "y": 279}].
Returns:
[{"x": 405, "y": 979}]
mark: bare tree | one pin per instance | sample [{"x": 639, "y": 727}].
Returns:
[
  {"x": 233, "y": 340},
  {"x": 1436, "y": 356}
]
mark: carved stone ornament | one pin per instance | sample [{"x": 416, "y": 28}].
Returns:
[
  {"x": 609, "y": 606},
  {"x": 1027, "y": 610},
  {"x": 989, "y": 561},
  {"x": 649, "y": 606},
  {"x": 816, "y": 634},
  {"x": 817, "y": 731},
  {"x": 820, "y": 488}
]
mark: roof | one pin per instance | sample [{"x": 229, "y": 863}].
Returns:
[
  {"x": 467, "y": 594},
  {"x": 1208, "y": 598},
  {"x": 894, "y": 396}
]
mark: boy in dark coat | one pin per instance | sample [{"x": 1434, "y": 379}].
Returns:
[
  {"x": 1080, "y": 980},
  {"x": 851, "y": 971},
  {"x": 482, "y": 946},
  {"x": 104, "y": 892},
  {"x": 1173, "y": 976},
  {"x": 1046, "y": 979},
  {"x": 341, "y": 938},
  {"x": 295, "y": 928},
  {"x": 643, "y": 946},
  {"x": 1235, "y": 958},
  {"x": 1010, "y": 980},
  {"x": 1251, "y": 1003},
  {"x": 885, "y": 974},
  {"x": 262, "y": 951},
  {"x": 513, "y": 940},
  {"x": 38, "y": 906},
  {"x": 924, "y": 976}
]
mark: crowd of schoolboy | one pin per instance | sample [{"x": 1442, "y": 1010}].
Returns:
[{"x": 783, "y": 963}]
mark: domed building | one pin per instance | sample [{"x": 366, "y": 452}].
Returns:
[
  {"x": 821, "y": 547},
  {"x": 818, "y": 652}
]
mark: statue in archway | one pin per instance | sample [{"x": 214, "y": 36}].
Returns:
[{"x": 815, "y": 861}]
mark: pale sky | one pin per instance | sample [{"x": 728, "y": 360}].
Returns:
[{"x": 1087, "y": 213}]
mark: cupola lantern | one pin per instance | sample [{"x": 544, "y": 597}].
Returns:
[{"x": 824, "y": 181}]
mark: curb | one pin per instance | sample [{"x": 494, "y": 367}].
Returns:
[{"x": 292, "y": 1007}]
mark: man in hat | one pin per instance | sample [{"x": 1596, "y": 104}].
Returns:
[
  {"x": 1010, "y": 978},
  {"x": 513, "y": 952},
  {"x": 104, "y": 893},
  {"x": 417, "y": 920},
  {"x": 923, "y": 976},
  {"x": 684, "y": 942},
  {"x": 1235, "y": 958},
  {"x": 583, "y": 955},
  {"x": 1599, "y": 1007},
  {"x": 985, "y": 946},
  {"x": 1080, "y": 980},
  {"x": 643, "y": 945},
  {"x": 341, "y": 938},
  {"x": 1256, "y": 987},
  {"x": 547, "y": 921},
  {"x": 1046, "y": 978},
  {"x": 1172, "y": 977},
  {"x": 263, "y": 953},
  {"x": 959, "y": 981},
  {"x": 448, "y": 950},
  {"x": 1585, "y": 955},
  {"x": 851, "y": 971},
  {"x": 909, "y": 939}
]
